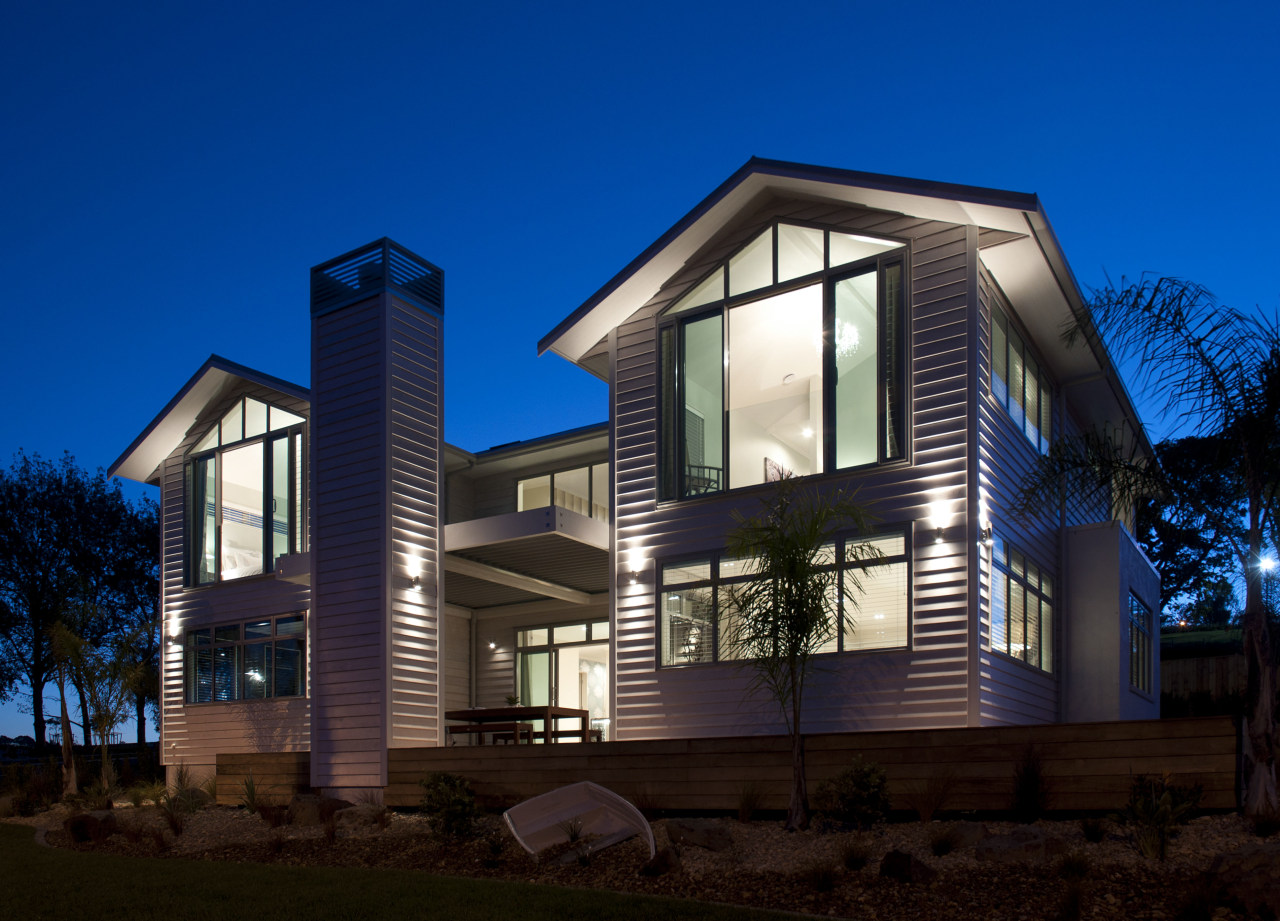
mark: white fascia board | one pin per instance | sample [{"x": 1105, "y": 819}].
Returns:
[
  {"x": 497, "y": 529},
  {"x": 142, "y": 459}
]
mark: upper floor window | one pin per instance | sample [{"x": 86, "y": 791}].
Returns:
[
  {"x": 1140, "y": 649},
  {"x": 1021, "y": 607},
  {"x": 695, "y": 618},
  {"x": 1019, "y": 383},
  {"x": 789, "y": 358},
  {"x": 584, "y": 490},
  {"x": 246, "y": 495}
]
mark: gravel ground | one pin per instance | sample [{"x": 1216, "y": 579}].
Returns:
[{"x": 764, "y": 866}]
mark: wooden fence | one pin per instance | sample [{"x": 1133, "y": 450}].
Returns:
[
  {"x": 1217, "y": 677},
  {"x": 1087, "y": 766}
]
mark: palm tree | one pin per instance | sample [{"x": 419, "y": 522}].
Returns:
[
  {"x": 789, "y": 610},
  {"x": 1216, "y": 370}
]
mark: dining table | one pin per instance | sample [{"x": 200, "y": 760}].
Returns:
[{"x": 548, "y": 714}]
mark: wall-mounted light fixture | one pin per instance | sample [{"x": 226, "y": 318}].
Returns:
[
  {"x": 939, "y": 517},
  {"x": 492, "y": 644},
  {"x": 636, "y": 563}
]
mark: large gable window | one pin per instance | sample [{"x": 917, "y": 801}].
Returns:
[
  {"x": 245, "y": 493},
  {"x": 789, "y": 358}
]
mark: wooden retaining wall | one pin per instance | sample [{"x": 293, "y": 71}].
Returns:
[
  {"x": 276, "y": 775},
  {"x": 1089, "y": 766}
]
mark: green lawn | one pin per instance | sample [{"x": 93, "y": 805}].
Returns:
[{"x": 40, "y": 882}]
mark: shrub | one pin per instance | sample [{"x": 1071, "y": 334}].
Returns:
[
  {"x": 944, "y": 840},
  {"x": 1093, "y": 829},
  {"x": 855, "y": 854},
  {"x": 1155, "y": 809},
  {"x": 274, "y": 814},
  {"x": 249, "y": 793},
  {"x": 1030, "y": 790},
  {"x": 857, "y": 796},
  {"x": 750, "y": 796},
  {"x": 449, "y": 804},
  {"x": 929, "y": 796}
]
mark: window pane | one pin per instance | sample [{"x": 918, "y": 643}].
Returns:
[
  {"x": 257, "y": 671},
  {"x": 255, "y": 418},
  {"x": 856, "y": 369},
  {"x": 999, "y": 359},
  {"x": 570, "y": 633},
  {"x": 232, "y": 428},
  {"x": 876, "y": 616},
  {"x": 752, "y": 268},
  {"x": 710, "y": 290},
  {"x": 279, "y": 498},
  {"x": 257, "y": 629},
  {"x": 1017, "y": 620},
  {"x": 535, "y": 492},
  {"x": 290, "y": 668},
  {"x": 703, "y": 381},
  {"x": 537, "y": 637},
  {"x": 600, "y": 631},
  {"x": 230, "y": 634},
  {"x": 289, "y": 626},
  {"x": 1046, "y": 635},
  {"x": 570, "y": 490},
  {"x": 668, "y": 439},
  {"x": 535, "y": 679},
  {"x": 242, "y": 542},
  {"x": 600, "y": 492},
  {"x": 210, "y": 440},
  {"x": 693, "y": 571},
  {"x": 775, "y": 387},
  {"x": 799, "y": 251},
  {"x": 832, "y": 642},
  {"x": 199, "y": 665},
  {"x": 1031, "y": 370},
  {"x": 1046, "y": 417},
  {"x": 299, "y": 519},
  {"x": 893, "y": 340},
  {"x": 226, "y": 672},
  {"x": 888, "y": 545},
  {"x": 687, "y": 626},
  {"x": 281, "y": 419},
  {"x": 205, "y": 540},
  {"x": 999, "y": 611},
  {"x": 850, "y": 247},
  {"x": 1016, "y": 399}
]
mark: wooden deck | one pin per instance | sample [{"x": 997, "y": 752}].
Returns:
[{"x": 1088, "y": 766}]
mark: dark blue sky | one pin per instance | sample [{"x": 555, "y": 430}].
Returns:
[{"x": 172, "y": 171}]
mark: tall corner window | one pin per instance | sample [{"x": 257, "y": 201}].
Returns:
[
  {"x": 696, "y": 614},
  {"x": 246, "y": 498},
  {"x": 1141, "y": 664},
  {"x": 788, "y": 359},
  {"x": 1021, "y": 607},
  {"x": 253, "y": 660},
  {"x": 1019, "y": 383}
]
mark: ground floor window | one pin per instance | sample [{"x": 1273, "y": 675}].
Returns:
[
  {"x": 566, "y": 665},
  {"x": 1140, "y": 650},
  {"x": 1021, "y": 607},
  {"x": 252, "y": 660},
  {"x": 695, "y": 610}
]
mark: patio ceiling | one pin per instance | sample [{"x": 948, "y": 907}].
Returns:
[{"x": 541, "y": 554}]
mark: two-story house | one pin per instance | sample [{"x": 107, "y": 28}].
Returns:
[{"x": 336, "y": 576}]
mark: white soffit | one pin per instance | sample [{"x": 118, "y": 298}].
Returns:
[
  {"x": 142, "y": 459},
  {"x": 639, "y": 282}
]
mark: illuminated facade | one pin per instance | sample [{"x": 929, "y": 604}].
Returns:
[{"x": 336, "y": 577}]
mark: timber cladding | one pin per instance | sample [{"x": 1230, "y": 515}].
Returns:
[{"x": 1087, "y": 766}]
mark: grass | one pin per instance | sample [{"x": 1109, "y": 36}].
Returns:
[{"x": 46, "y": 883}]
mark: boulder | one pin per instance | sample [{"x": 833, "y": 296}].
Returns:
[
  {"x": 667, "y": 860},
  {"x": 1249, "y": 879},
  {"x": 1022, "y": 845},
  {"x": 314, "y": 809},
  {"x": 84, "y": 827},
  {"x": 905, "y": 868},
  {"x": 704, "y": 833},
  {"x": 362, "y": 814}
]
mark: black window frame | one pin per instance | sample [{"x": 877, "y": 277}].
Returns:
[
  {"x": 589, "y": 467},
  {"x": 295, "y": 438},
  {"x": 718, "y": 582},
  {"x": 672, "y": 480},
  {"x": 1004, "y": 318},
  {"x": 1011, "y": 577},
  {"x": 1141, "y": 646},
  {"x": 216, "y": 638}
]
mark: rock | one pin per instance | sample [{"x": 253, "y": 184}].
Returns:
[
  {"x": 1250, "y": 879},
  {"x": 1023, "y": 845},
  {"x": 667, "y": 860},
  {"x": 363, "y": 814},
  {"x": 704, "y": 833},
  {"x": 95, "y": 826},
  {"x": 313, "y": 809},
  {"x": 905, "y": 868}
]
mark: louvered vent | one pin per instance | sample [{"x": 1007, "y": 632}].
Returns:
[{"x": 382, "y": 265}]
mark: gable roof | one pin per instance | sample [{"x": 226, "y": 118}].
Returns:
[
  {"x": 1017, "y": 245},
  {"x": 216, "y": 377}
]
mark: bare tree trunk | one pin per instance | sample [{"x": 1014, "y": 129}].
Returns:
[
  {"x": 86, "y": 721},
  {"x": 798, "y": 810},
  {"x": 1260, "y": 733},
  {"x": 140, "y": 716},
  {"x": 70, "y": 783},
  {"x": 37, "y": 712}
]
